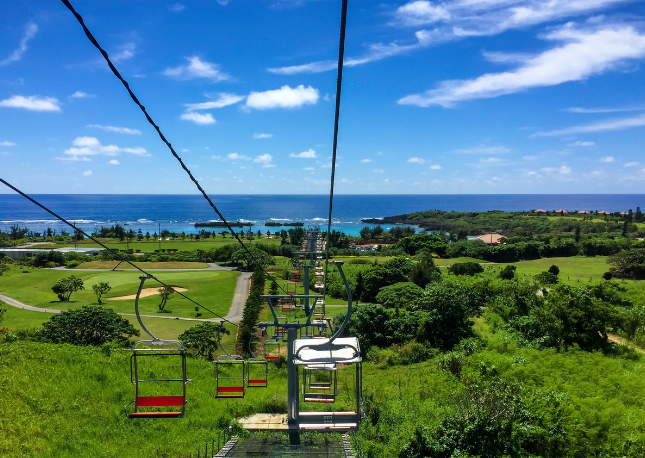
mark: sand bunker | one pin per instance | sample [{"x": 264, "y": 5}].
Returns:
[{"x": 145, "y": 292}]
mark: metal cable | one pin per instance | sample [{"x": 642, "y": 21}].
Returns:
[
  {"x": 161, "y": 135},
  {"x": 339, "y": 80},
  {"x": 111, "y": 251}
]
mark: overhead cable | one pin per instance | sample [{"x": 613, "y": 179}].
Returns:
[
  {"x": 161, "y": 135},
  {"x": 339, "y": 81}
]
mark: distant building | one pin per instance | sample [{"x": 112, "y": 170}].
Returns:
[
  {"x": 539, "y": 210},
  {"x": 561, "y": 211},
  {"x": 604, "y": 213},
  {"x": 490, "y": 239},
  {"x": 582, "y": 212},
  {"x": 19, "y": 253}
]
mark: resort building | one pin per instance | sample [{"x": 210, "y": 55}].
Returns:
[
  {"x": 19, "y": 253},
  {"x": 490, "y": 239}
]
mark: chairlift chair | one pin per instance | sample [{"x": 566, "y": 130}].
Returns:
[
  {"x": 257, "y": 371},
  {"x": 230, "y": 375},
  {"x": 161, "y": 349},
  {"x": 320, "y": 383}
]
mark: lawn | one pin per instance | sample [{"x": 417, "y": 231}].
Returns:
[
  {"x": 448, "y": 262},
  {"x": 213, "y": 289},
  {"x": 151, "y": 246},
  {"x": 109, "y": 265},
  {"x": 574, "y": 269}
]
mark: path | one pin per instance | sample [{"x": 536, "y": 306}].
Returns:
[{"x": 234, "y": 314}]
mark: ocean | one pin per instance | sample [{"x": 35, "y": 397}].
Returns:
[{"x": 179, "y": 213}]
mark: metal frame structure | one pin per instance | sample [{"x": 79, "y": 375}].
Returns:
[
  {"x": 256, "y": 379},
  {"x": 227, "y": 391},
  {"x": 155, "y": 401}
]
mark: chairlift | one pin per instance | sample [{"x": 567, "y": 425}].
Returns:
[
  {"x": 163, "y": 349},
  {"x": 257, "y": 371},
  {"x": 320, "y": 383},
  {"x": 230, "y": 375}
]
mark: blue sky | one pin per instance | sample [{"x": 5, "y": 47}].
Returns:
[{"x": 462, "y": 96}]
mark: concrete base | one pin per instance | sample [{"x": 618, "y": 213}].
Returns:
[{"x": 265, "y": 421}]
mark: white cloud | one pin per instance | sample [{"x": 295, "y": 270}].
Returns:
[
  {"x": 435, "y": 167},
  {"x": 421, "y": 12},
  {"x": 632, "y": 164},
  {"x": 15, "y": 56},
  {"x": 114, "y": 162},
  {"x": 236, "y": 157},
  {"x": 264, "y": 159},
  {"x": 177, "y": 7},
  {"x": 198, "y": 118},
  {"x": 482, "y": 149},
  {"x": 564, "y": 170},
  {"x": 223, "y": 101},
  {"x": 74, "y": 159},
  {"x": 607, "y": 159},
  {"x": 579, "y": 143},
  {"x": 285, "y": 97},
  {"x": 262, "y": 135},
  {"x": 310, "y": 154},
  {"x": 118, "y": 130},
  {"x": 126, "y": 51},
  {"x": 195, "y": 69},
  {"x": 377, "y": 51},
  {"x": 81, "y": 95},
  {"x": 32, "y": 103},
  {"x": 416, "y": 160},
  {"x": 91, "y": 146},
  {"x": 378, "y": 171},
  {"x": 529, "y": 158},
  {"x": 490, "y": 160},
  {"x": 601, "y": 110},
  {"x": 308, "y": 168},
  {"x": 601, "y": 126},
  {"x": 87, "y": 173},
  {"x": 585, "y": 52},
  {"x": 7, "y": 144},
  {"x": 366, "y": 161}
]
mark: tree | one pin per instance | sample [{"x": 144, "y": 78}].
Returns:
[
  {"x": 638, "y": 216},
  {"x": 629, "y": 263},
  {"x": 546, "y": 278},
  {"x": 425, "y": 272},
  {"x": 394, "y": 271},
  {"x": 139, "y": 235},
  {"x": 257, "y": 256},
  {"x": 365, "y": 233},
  {"x": 577, "y": 236},
  {"x": 466, "y": 268},
  {"x": 508, "y": 272},
  {"x": 377, "y": 231},
  {"x": 164, "y": 292},
  {"x": 555, "y": 270},
  {"x": 66, "y": 286},
  {"x": 45, "y": 257},
  {"x": 399, "y": 295},
  {"x": 201, "y": 339},
  {"x": 100, "y": 289},
  {"x": 3, "y": 269},
  {"x": 273, "y": 289},
  {"x": 89, "y": 325}
]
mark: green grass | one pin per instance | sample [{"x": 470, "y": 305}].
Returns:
[
  {"x": 151, "y": 246},
  {"x": 448, "y": 262},
  {"x": 574, "y": 269},
  {"x": 109, "y": 265},
  {"x": 213, "y": 289}
]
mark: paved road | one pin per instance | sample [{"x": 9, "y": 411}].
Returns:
[{"x": 234, "y": 314}]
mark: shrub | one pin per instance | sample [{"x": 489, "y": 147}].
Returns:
[
  {"x": 100, "y": 289},
  {"x": 425, "y": 272},
  {"x": 49, "y": 259},
  {"x": 546, "y": 278},
  {"x": 89, "y": 325},
  {"x": 508, "y": 272},
  {"x": 72, "y": 264},
  {"x": 555, "y": 270},
  {"x": 607, "y": 276},
  {"x": 466, "y": 268},
  {"x": 399, "y": 295},
  {"x": 50, "y": 264}
]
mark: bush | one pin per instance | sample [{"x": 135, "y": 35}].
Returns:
[
  {"x": 49, "y": 259},
  {"x": 51, "y": 265},
  {"x": 201, "y": 339},
  {"x": 399, "y": 295},
  {"x": 508, "y": 272},
  {"x": 466, "y": 268},
  {"x": 546, "y": 278},
  {"x": 607, "y": 276},
  {"x": 555, "y": 270},
  {"x": 89, "y": 325},
  {"x": 425, "y": 272},
  {"x": 72, "y": 264}
]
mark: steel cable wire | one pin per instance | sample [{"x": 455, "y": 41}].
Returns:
[{"x": 161, "y": 135}]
